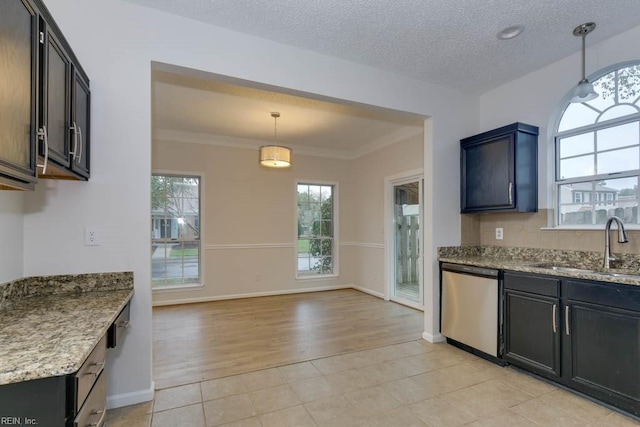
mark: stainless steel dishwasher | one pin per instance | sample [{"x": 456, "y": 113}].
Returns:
[{"x": 471, "y": 311}]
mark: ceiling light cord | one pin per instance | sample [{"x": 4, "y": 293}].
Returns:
[
  {"x": 275, "y": 127},
  {"x": 584, "y": 44}
]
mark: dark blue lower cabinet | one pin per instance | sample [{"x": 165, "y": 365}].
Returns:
[
  {"x": 602, "y": 354},
  {"x": 36, "y": 402},
  {"x": 588, "y": 339},
  {"x": 532, "y": 340}
]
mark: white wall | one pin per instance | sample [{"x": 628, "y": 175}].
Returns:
[
  {"x": 535, "y": 98},
  {"x": 116, "y": 43},
  {"x": 248, "y": 219},
  {"x": 370, "y": 172},
  {"x": 11, "y": 227}
]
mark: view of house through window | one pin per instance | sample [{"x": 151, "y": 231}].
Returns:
[
  {"x": 316, "y": 245},
  {"x": 597, "y": 147},
  {"x": 175, "y": 230}
]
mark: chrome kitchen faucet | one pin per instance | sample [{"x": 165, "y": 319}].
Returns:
[{"x": 622, "y": 238}]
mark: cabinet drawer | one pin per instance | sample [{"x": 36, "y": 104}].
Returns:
[
  {"x": 626, "y": 297},
  {"x": 94, "y": 411},
  {"x": 119, "y": 325},
  {"x": 89, "y": 372},
  {"x": 533, "y": 284}
]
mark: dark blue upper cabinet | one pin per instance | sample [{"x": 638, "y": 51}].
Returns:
[
  {"x": 18, "y": 93},
  {"x": 499, "y": 170},
  {"x": 44, "y": 100}
]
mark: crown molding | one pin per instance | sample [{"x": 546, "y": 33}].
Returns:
[
  {"x": 244, "y": 143},
  {"x": 169, "y": 135}
]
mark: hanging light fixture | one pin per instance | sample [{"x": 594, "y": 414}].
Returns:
[
  {"x": 584, "y": 91},
  {"x": 275, "y": 156}
]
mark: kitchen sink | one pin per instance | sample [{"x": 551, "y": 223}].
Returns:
[{"x": 562, "y": 268}]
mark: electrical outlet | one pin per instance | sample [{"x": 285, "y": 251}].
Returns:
[
  {"x": 499, "y": 233},
  {"x": 91, "y": 237}
]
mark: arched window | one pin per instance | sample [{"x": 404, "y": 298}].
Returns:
[{"x": 597, "y": 151}]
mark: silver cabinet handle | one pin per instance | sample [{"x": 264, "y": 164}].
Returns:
[
  {"x": 511, "y": 193},
  {"x": 124, "y": 324},
  {"x": 566, "y": 320},
  {"x": 42, "y": 134},
  {"x": 74, "y": 128},
  {"x": 555, "y": 326},
  {"x": 80, "y": 146},
  {"x": 100, "y": 422},
  {"x": 100, "y": 366}
]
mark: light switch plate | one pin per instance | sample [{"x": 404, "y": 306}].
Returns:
[{"x": 499, "y": 233}]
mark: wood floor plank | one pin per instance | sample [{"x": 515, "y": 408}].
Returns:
[{"x": 195, "y": 342}]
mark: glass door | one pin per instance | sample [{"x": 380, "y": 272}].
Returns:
[{"x": 407, "y": 253}]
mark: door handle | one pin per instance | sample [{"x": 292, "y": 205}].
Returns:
[
  {"x": 511, "y": 193},
  {"x": 100, "y": 422},
  {"x": 42, "y": 134},
  {"x": 566, "y": 320},
  {"x": 80, "y": 146},
  {"x": 74, "y": 153},
  {"x": 555, "y": 326}
]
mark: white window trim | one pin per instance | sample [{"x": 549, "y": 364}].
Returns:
[
  {"x": 553, "y": 136},
  {"x": 336, "y": 228},
  {"x": 191, "y": 286}
]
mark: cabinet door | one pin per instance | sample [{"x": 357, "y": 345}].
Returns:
[
  {"x": 80, "y": 131},
  {"x": 37, "y": 402},
  {"x": 56, "y": 92},
  {"x": 602, "y": 353},
  {"x": 18, "y": 83},
  {"x": 487, "y": 175},
  {"x": 532, "y": 338}
]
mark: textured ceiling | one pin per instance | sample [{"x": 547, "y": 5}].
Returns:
[
  {"x": 192, "y": 108},
  {"x": 447, "y": 42}
]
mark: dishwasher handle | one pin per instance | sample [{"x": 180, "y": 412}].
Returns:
[{"x": 468, "y": 269}]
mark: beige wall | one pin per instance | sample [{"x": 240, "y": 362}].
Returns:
[
  {"x": 248, "y": 219},
  {"x": 369, "y": 226},
  {"x": 527, "y": 230},
  {"x": 246, "y": 207}
]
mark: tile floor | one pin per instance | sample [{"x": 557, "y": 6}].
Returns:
[{"x": 410, "y": 384}]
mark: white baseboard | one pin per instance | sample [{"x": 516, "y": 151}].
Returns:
[
  {"x": 433, "y": 338},
  {"x": 368, "y": 291},
  {"x": 131, "y": 398},
  {"x": 249, "y": 295}
]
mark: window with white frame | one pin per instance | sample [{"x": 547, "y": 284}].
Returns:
[
  {"x": 175, "y": 230},
  {"x": 597, "y": 152},
  {"x": 316, "y": 245}
]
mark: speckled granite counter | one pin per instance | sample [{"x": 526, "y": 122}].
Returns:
[
  {"x": 49, "y": 325},
  {"x": 627, "y": 269}
]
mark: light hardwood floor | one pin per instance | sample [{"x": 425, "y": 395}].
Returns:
[{"x": 204, "y": 341}]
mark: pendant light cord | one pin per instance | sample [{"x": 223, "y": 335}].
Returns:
[
  {"x": 584, "y": 36},
  {"x": 275, "y": 116},
  {"x": 275, "y": 130}
]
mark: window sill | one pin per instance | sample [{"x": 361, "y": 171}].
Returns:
[
  {"x": 169, "y": 289},
  {"x": 318, "y": 277},
  {"x": 598, "y": 227}
]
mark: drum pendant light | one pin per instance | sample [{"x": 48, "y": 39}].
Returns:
[
  {"x": 275, "y": 156},
  {"x": 584, "y": 91}
]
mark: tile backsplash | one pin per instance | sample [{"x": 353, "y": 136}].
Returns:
[{"x": 525, "y": 230}]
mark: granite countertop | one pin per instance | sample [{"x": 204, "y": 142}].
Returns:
[
  {"x": 573, "y": 264},
  {"x": 50, "y": 325}
]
